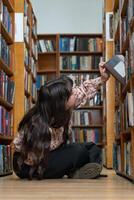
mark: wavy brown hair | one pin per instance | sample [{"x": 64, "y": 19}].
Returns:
[{"x": 49, "y": 111}]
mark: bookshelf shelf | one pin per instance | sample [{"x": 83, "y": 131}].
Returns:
[
  {"x": 80, "y": 53},
  {"x": 5, "y": 68},
  {"x": 9, "y": 5},
  {"x": 47, "y": 53},
  {"x": 89, "y": 126},
  {"x": 46, "y": 71},
  {"x": 124, "y": 8},
  {"x": 6, "y": 173},
  {"x": 115, "y": 5},
  {"x": 6, "y": 85},
  {"x": 126, "y": 43},
  {"x": 125, "y": 176},
  {"x": 116, "y": 34},
  {"x": 118, "y": 137},
  {"x": 79, "y": 71},
  {"x": 6, "y": 138},
  {"x": 6, "y": 35},
  {"x": 4, "y": 103},
  {"x": 90, "y": 107}
]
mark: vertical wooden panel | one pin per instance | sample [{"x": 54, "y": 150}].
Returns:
[
  {"x": 19, "y": 84},
  {"x": 108, "y": 5},
  {"x": 132, "y": 153},
  {"x": 110, "y": 99},
  {"x": 19, "y": 5},
  {"x": 110, "y": 96}
]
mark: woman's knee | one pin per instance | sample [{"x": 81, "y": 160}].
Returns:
[{"x": 80, "y": 155}]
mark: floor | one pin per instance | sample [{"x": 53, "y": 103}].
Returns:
[{"x": 111, "y": 188}]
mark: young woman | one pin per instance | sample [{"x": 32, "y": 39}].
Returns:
[{"x": 41, "y": 149}]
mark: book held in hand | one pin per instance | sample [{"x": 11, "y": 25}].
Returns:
[{"x": 116, "y": 67}]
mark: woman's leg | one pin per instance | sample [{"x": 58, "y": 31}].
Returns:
[
  {"x": 63, "y": 161},
  {"x": 60, "y": 162},
  {"x": 94, "y": 152},
  {"x": 66, "y": 159},
  {"x": 85, "y": 158},
  {"x": 94, "y": 167}
]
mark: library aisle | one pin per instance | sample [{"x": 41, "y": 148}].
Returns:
[{"x": 111, "y": 188}]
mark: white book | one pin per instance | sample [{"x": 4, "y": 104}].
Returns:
[
  {"x": 130, "y": 108},
  {"x": 72, "y": 44}
]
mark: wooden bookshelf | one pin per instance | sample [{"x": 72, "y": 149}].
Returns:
[
  {"x": 109, "y": 97},
  {"x": 25, "y": 60},
  {"x": 53, "y": 48},
  {"x": 124, "y": 122},
  {"x": 6, "y": 85}
]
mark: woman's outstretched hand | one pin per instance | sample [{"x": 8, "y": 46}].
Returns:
[{"x": 104, "y": 75}]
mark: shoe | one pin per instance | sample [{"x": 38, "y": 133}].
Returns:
[{"x": 88, "y": 171}]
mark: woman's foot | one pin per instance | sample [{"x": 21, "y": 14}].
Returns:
[{"x": 88, "y": 171}]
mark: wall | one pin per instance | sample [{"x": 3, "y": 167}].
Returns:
[{"x": 68, "y": 16}]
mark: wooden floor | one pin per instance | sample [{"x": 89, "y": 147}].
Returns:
[{"x": 111, "y": 188}]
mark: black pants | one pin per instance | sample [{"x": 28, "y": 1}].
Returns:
[{"x": 64, "y": 160}]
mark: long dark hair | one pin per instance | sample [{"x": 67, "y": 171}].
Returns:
[{"x": 49, "y": 111}]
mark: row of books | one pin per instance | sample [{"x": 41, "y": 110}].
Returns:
[
  {"x": 6, "y": 18},
  {"x": 27, "y": 57},
  {"x": 115, "y": 20},
  {"x": 124, "y": 113},
  {"x": 129, "y": 104},
  {"x": 26, "y": 13},
  {"x": 42, "y": 79},
  {"x": 7, "y": 88},
  {"x": 26, "y": 29},
  {"x": 5, "y": 159},
  {"x": 46, "y": 46},
  {"x": 130, "y": 57},
  {"x": 79, "y": 78},
  {"x": 27, "y": 104},
  {"x": 80, "y": 44},
  {"x": 85, "y": 135},
  {"x": 104, "y": 156},
  {"x": 33, "y": 67},
  {"x": 5, "y": 51},
  {"x": 86, "y": 117},
  {"x": 30, "y": 62},
  {"x": 79, "y": 62},
  {"x": 117, "y": 157},
  {"x": 34, "y": 49},
  {"x": 34, "y": 91},
  {"x": 34, "y": 25},
  {"x": 117, "y": 47},
  {"x": 125, "y": 20},
  {"x": 6, "y": 122},
  {"x": 30, "y": 86},
  {"x": 127, "y": 157},
  {"x": 124, "y": 28},
  {"x": 117, "y": 117},
  {"x": 96, "y": 101},
  {"x": 128, "y": 66}
]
